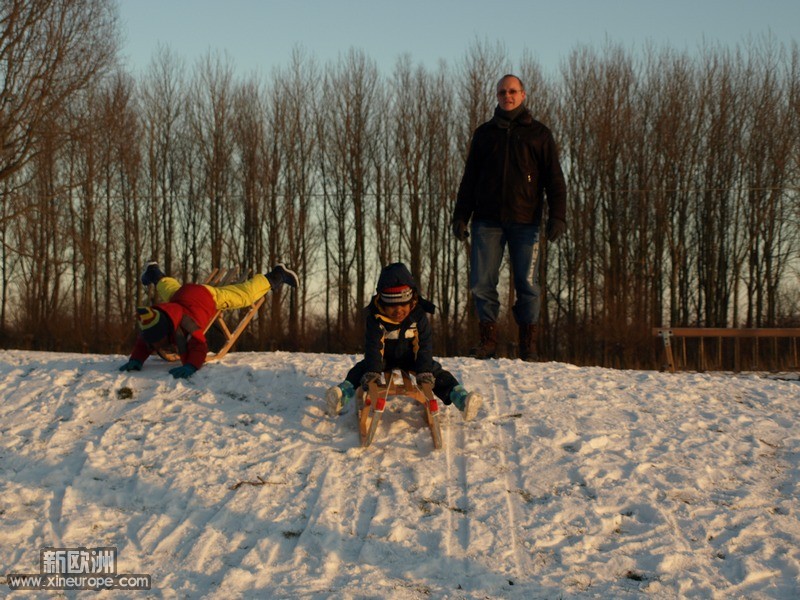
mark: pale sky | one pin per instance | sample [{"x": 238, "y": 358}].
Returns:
[{"x": 258, "y": 35}]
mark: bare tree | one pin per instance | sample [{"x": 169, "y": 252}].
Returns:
[
  {"x": 210, "y": 123},
  {"x": 577, "y": 109},
  {"x": 39, "y": 240},
  {"x": 249, "y": 141},
  {"x": 163, "y": 97},
  {"x": 409, "y": 133},
  {"x": 443, "y": 168},
  {"x": 298, "y": 178},
  {"x": 673, "y": 144},
  {"x": 120, "y": 188},
  {"x": 769, "y": 130},
  {"x": 347, "y": 153},
  {"x": 50, "y": 50}
]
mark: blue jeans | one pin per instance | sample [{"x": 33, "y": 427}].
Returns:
[{"x": 489, "y": 240}]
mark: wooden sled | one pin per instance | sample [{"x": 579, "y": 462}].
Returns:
[
  {"x": 371, "y": 405},
  {"x": 219, "y": 277}
]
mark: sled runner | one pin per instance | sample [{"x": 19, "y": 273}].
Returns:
[
  {"x": 372, "y": 404},
  {"x": 219, "y": 277}
]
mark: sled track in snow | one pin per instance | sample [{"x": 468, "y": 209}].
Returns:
[{"x": 508, "y": 460}]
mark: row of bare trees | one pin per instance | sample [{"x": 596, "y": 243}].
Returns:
[
  {"x": 682, "y": 172},
  {"x": 684, "y": 183}
]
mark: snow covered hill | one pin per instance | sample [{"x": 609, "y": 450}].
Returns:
[{"x": 572, "y": 483}]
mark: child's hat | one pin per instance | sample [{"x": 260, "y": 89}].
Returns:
[
  {"x": 400, "y": 294},
  {"x": 153, "y": 323}
]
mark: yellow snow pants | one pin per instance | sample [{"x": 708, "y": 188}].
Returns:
[{"x": 226, "y": 297}]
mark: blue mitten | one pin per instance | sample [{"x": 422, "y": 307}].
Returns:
[
  {"x": 425, "y": 378},
  {"x": 368, "y": 378},
  {"x": 131, "y": 365},
  {"x": 183, "y": 372}
]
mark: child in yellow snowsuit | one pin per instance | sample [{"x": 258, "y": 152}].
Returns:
[{"x": 186, "y": 310}]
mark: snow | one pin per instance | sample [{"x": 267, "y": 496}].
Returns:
[{"x": 572, "y": 483}]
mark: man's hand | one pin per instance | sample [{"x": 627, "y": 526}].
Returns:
[
  {"x": 132, "y": 365},
  {"x": 555, "y": 229},
  {"x": 460, "y": 230},
  {"x": 183, "y": 372}
]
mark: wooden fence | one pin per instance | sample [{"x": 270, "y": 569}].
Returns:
[{"x": 723, "y": 349}]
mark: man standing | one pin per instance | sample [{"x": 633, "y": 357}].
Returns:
[{"x": 512, "y": 164}]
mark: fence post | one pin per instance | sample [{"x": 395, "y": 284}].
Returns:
[{"x": 665, "y": 335}]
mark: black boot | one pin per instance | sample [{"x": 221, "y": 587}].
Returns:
[
  {"x": 527, "y": 342},
  {"x": 281, "y": 274},
  {"x": 152, "y": 274},
  {"x": 487, "y": 348}
]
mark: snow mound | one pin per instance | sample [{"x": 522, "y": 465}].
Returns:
[{"x": 572, "y": 482}]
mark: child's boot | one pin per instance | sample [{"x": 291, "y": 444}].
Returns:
[
  {"x": 152, "y": 273},
  {"x": 469, "y": 403},
  {"x": 338, "y": 397},
  {"x": 281, "y": 274}
]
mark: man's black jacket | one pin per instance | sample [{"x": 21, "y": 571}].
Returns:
[{"x": 510, "y": 167}]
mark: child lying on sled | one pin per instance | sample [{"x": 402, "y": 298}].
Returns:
[
  {"x": 398, "y": 336},
  {"x": 186, "y": 310}
]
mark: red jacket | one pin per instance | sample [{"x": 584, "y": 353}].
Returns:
[{"x": 190, "y": 309}]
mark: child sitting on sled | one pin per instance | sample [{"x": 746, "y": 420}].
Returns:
[
  {"x": 398, "y": 336},
  {"x": 186, "y": 310}
]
